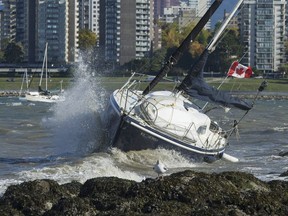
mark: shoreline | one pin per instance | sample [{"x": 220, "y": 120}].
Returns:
[
  {"x": 240, "y": 94},
  {"x": 182, "y": 193}
]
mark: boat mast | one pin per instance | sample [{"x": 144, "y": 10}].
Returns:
[
  {"x": 44, "y": 61},
  {"x": 212, "y": 44},
  {"x": 183, "y": 47},
  {"x": 46, "y": 68},
  {"x": 195, "y": 86}
]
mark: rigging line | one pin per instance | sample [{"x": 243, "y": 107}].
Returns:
[
  {"x": 218, "y": 92},
  {"x": 30, "y": 82},
  {"x": 177, "y": 54},
  {"x": 262, "y": 86},
  {"x": 202, "y": 10},
  {"x": 226, "y": 21},
  {"x": 219, "y": 34},
  {"x": 243, "y": 56}
]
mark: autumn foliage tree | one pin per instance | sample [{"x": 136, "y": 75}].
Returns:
[
  {"x": 227, "y": 50},
  {"x": 172, "y": 37}
]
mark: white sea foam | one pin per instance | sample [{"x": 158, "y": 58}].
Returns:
[
  {"x": 135, "y": 166},
  {"x": 281, "y": 129},
  {"x": 14, "y": 104},
  {"x": 4, "y": 183},
  {"x": 95, "y": 165},
  {"x": 74, "y": 123},
  {"x": 143, "y": 161}
]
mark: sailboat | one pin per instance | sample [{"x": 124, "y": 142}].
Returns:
[
  {"x": 138, "y": 120},
  {"x": 44, "y": 95},
  {"x": 25, "y": 80}
]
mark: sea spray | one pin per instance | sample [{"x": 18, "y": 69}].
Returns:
[{"x": 76, "y": 125}]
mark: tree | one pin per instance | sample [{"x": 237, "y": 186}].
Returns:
[
  {"x": 87, "y": 39},
  {"x": 2, "y": 58},
  {"x": 170, "y": 35},
  {"x": 228, "y": 50},
  {"x": 158, "y": 60},
  {"x": 173, "y": 35},
  {"x": 14, "y": 53}
]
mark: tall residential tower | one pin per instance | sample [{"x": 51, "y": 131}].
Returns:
[
  {"x": 128, "y": 29},
  {"x": 35, "y": 22},
  {"x": 262, "y": 29},
  {"x": 89, "y": 12}
]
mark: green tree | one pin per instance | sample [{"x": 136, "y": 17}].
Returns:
[
  {"x": 158, "y": 60},
  {"x": 228, "y": 50},
  {"x": 87, "y": 39},
  {"x": 4, "y": 44},
  {"x": 2, "y": 58},
  {"x": 14, "y": 53},
  {"x": 170, "y": 35}
]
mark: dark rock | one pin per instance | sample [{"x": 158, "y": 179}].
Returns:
[
  {"x": 72, "y": 206},
  {"x": 283, "y": 154},
  {"x": 73, "y": 188},
  {"x": 284, "y": 174},
  {"x": 184, "y": 193},
  {"x": 35, "y": 197}
]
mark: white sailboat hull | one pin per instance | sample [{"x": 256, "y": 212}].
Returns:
[
  {"x": 186, "y": 129},
  {"x": 36, "y": 97}
]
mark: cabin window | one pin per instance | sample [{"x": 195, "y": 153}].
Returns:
[
  {"x": 214, "y": 126},
  {"x": 202, "y": 129}
]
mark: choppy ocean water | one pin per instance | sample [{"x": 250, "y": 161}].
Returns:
[{"x": 64, "y": 142}]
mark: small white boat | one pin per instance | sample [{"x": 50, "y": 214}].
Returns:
[{"x": 44, "y": 95}]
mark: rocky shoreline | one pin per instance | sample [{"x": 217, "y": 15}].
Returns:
[
  {"x": 9, "y": 94},
  {"x": 183, "y": 193}
]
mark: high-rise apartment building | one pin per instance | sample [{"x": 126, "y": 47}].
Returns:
[
  {"x": 35, "y": 22},
  {"x": 127, "y": 25},
  {"x": 73, "y": 30},
  {"x": 89, "y": 12},
  {"x": 25, "y": 28},
  {"x": 57, "y": 24},
  {"x": 1, "y": 18},
  {"x": 48, "y": 30},
  {"x": 184, "y": 14},
  {"x": 8, "y": 20},
  {"x": 262, "y": 29},
  {"x": 201, "y": 6},
  {"x": 159, "y": 6}
]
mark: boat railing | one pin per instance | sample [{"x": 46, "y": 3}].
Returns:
[
  {"x": 187, "y": 130},
  {"x": 182, "y": 132},
  {"x": 128, "y": 92},
  {"x": 147, "y": 118}
]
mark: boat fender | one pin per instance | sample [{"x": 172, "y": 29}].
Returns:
[{"x": 230, "y": 158}]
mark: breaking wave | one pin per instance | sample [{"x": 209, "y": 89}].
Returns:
[{"x": 76, "y": 121}]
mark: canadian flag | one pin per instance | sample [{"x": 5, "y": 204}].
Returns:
[{"x": 239, "y": 70}]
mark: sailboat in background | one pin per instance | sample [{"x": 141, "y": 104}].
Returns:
[
  {"x": 25, "y": 80},
  {"x": 44, "y": 95},
  {"x": 137, "y": 120}
]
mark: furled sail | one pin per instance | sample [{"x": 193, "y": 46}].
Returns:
[
  {"x": 183, "y": 47},
  {"x": 195, "y": 86}
]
